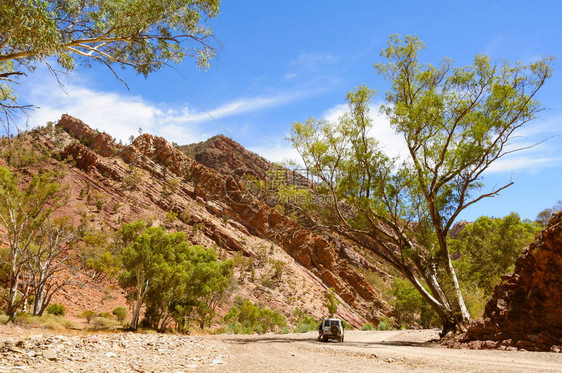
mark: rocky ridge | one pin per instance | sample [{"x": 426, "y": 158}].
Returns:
[{"x": 524, "y": 311}]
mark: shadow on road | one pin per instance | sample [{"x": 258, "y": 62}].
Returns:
[{"x": 314, "y": 341}]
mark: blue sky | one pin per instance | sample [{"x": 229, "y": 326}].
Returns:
[{"x": 284, "y": 61}]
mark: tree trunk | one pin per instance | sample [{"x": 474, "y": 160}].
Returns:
[
  {"x": 12, "y": 307},
  {"x": 135, "y": 314},
  {"x": 38, "y": 302}
]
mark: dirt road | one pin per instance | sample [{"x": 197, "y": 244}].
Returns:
[
  {"x": 33, "y": 350},
  {"x": 390, "y": 351}
]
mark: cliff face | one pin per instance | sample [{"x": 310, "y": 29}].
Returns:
[
  {"x": 150, "y": 179},
  {"x": 525, "y": 311}
]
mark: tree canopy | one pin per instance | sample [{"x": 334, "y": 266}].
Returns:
[
  {"x": 163, "y": 272},
  {"x": 141, "y": 34},
  {"x": 456, "y": 122},
  {"x": 489, "y": 248}
]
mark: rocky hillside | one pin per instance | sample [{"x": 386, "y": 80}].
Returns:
[
  {"x": 110, "y": 184},
  {"x": 231, "y": 159},
  {"x": 524, "y": 312}
]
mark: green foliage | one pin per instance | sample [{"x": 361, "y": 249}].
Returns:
[
  {"x": 104, "y": 323},
  {"x": 171, "y": 217},
  {"x": 120, "y": 313},
  {"x": 106, "y": 315},
  {"x": 18, "y": 153},
  {"x": 47, "y": 321},
  {"x": 278, "y": 267},
  {"x": 24, "y": 217},
  {"x": 144, "y": 35},
  {"x": 410, "y": 307},
  {"x": 544, "y": 215},
  {"x": 88, "y": 315},
  {"x": 367, "y": 326},
  {"x": 331, "y": 302},
  {"x": 133, "y": 178},
  {"x": 173, "y": 279},
  {"x": 246, "y": 318},
  {"x": 489, "y": 247},
  {"x": 100, "y": 255},
  {"x": 383, "y": 325},
  {"x": 56, "y": 309},
  {"x": 303, "y": 322}
]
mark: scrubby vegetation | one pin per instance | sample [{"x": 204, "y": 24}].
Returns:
[{"x": 248, "y": 318}]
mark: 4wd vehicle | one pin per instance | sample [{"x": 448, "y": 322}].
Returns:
[{"x": 331, "y": 329}]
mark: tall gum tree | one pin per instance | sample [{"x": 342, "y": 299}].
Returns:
[
  {"x": 141, "y": 34},
  {"x": 456, "y": 122}
]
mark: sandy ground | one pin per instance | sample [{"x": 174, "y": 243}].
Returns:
[{"x": 374, "y": 351}]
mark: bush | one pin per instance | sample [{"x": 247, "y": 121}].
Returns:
[
  {"x": 47, "y": 321},
  {"x": 303, "y": 322},
  {"x": 383, "y": 326},
  {"x": 120, "y": 312},
  {"x": 367, "y": 326},
  {"x": 106, "y": 315},
  {"x": 104, "y": 323},
  {"x": 246, "y": 318},
  {"x": 56, "y": 309},
  {"x": 88, "y": 315}
]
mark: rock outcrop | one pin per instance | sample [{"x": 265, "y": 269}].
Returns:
[
  {"x": 525, "y": 311},
  {"x": 100, "y": 142}
]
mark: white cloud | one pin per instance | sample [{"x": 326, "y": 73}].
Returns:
[
  {"x": 530, "y": 163},
  {"x": 237, "y": 107},
  {"x": 390, "y": 142},
  {"x": 277, "y": 152},
  {"x": 122, "y": 115},
  {"x": 311, "y": 59}
]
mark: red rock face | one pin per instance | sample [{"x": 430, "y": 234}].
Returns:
[
  {"x": 102, "y": 143},
  {"x": 525, "y": 311}
]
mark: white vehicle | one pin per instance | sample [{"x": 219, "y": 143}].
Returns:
[{"x": 331, "y": 329}]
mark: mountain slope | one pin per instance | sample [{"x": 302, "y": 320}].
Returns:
[{"x": 150, "y": 179}]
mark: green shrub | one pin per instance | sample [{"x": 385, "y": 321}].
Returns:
[
  {"x": 246, "y": 318},
  {"x": 383, "y": 326},
  {"x": 56, "y": 309},
  {"x": 21, "y": 318},
  {"x": 106, "y": 315},
  {"x": 367, "y": 326},
  {"x": 47, "y": 321},
  {"x": 303, "y": 322},
  {"x": 120, "y": 312},
  {"x": 104, "y": 323},
  {"x": 88, "y": 315}
]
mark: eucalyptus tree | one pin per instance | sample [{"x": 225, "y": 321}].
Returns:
[
  {"x": 24, "y": 213},
  {"x": 141, "y": 34},
  {"x": 456, "y": 122}
]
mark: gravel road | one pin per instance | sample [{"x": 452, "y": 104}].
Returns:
[{"x": 389, "y": 351}]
